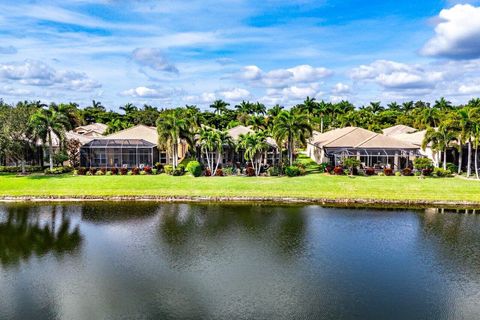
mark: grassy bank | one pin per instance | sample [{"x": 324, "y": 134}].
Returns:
[{"x": 312, "y": 186}]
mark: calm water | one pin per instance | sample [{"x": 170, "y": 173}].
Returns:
[{"x": 192, "y": 261}]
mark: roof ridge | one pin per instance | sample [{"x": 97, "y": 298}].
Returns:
[
  {"x": 368, "y": 139},
  {"x": 343, "y": 135}
]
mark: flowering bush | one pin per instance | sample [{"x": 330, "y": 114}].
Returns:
[
  {"x": 369, "y": 171},
  {"x": 147, "y": 169},
  {"x": 388, "y": 171},
  {"x": 114, "y": 171},
  {"x": 92, "y": 171},
  {"x": 338, "y": 170},
  {"x": 407, "y": 172},
  {"x": 81, "y": 171},
  {"x": 135, "y": 171},
  {"x": 219, "y": 173},
  {"x": 250, "y": 172},
  {"x": 123, "y": 171}
]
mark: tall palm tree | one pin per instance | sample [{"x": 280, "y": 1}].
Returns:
[
  {"x": 219, "y": 106},
  {"x": 408, "y": 106},
  {"x": 430, "y": 117},
  {"x": 48, "y": 121},
  {"x": 213, "y": 143},
  {"x": 322, "y": 108},
  {"x": 440, "y": 139},
  {"x": 259, "y": 108},
  {"x": 376, "y": 107},
  {"x": 254, "y": 145},
  {"x": 171, "y": 127},
  {"x": 275, "y": 110},
  {"x": 245, "y": 107},
  {"x": 291, "y": 128},
  {"x": 129, "y": 108},
  {"x": 443, "y": 104}
]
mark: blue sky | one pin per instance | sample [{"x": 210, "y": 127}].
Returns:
[{"x": 171, "y": 53}]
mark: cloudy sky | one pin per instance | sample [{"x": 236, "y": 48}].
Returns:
[{"x": 170, "y": 53}]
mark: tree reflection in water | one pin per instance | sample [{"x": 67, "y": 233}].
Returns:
[
  {"x": 24, "y": 234},
  {"x": 183, "y": 226}
]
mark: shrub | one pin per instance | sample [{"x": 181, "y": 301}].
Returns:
[
  {"x": 104, "y": 170},
  {"x": 417, "y": 173},
  {"x": 381, "y": 174},
  {"x": 135, "y": 171},
  {"x": 114, "y": 171},
  {"x": 250, "y": 172},
  {"x": 388, "y": 171},
  {"x": 228, "y": 171},
  {"x": 407, "y": 172},
  {"x": 181, "y": 167},
  {"x": 154, "y": 171},
  {"x": 168, "y": 168},
  {"x": 369, "y": 171},
  {"x": 58, "y": 170},
  {"x": 427, "y": 171},
  {"x": 82, "y": 171},
  {"x": 329, "y": 168},
  {"x": 323, "y": 166},
  {"x": 352, "y": 164},
  {"x": 159, "y": 166},
  {"x": 143, "y": 173},
  {"x": 208, "y": 173},
  {"x": 89, "y": 173},
  {"x": 440, "y": 172},
  {"x": 453, "y": 168},
  {"x": 130, "y": 173},
  {"x": 424, "y": 165},
  {"x": 109, "y": 173},
  {"x": 92, "y": 171},
  {"x": 194, "y": 168},
  {"x": 338, "y": 170},
  {"x": 123, "y": 171},
  {"x": 219, "y": 172},
  {"x": 179, "y": 171},
  {"x": 346, "y": 171},
  {"x": 398, "y": 174},
  {"x": 147, "y": 169},
  {"x": 99, "y": 173},
  {"x": 273, "y": 171},
  {"x": 14, "y": 169},
  {"x": 292, "y": 171}
]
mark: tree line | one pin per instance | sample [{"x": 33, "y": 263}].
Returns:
[{"x": 24, "y": 123}]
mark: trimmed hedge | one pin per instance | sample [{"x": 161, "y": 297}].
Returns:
[
  {"x": 15, "y": 169},
  {"x": 194, "y": 168}
]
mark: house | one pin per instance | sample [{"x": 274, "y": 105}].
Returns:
[
  {"x": 232, "y": 155},
  {"x": 371, "y": 148},
  {"x": 415, "y": 137},
  {"x": 91, "y": 130},
  {"x": 133, "y": 147}
]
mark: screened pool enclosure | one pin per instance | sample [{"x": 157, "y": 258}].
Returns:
[{"x": 118, "y": 153}]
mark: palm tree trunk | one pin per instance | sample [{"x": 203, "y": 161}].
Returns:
[
  {"x": 321, "y": 124},
  {"x": 218, "y": 162},
  {"x": 460, "y": 156},
  {"x": 50, "y": 149},
  {"x": 476, "y": 161},
  {"x": 445, "y": 159},
  {"x": 469, "y": 160}
]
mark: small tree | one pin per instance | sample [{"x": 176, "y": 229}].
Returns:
[
  {"x": 73, "y": 152},
  {"x": 422, "y": 164},
  {"x": 351, "y": 163}
]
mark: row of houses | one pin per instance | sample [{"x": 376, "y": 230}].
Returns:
[{"x": 396, "y": 147}]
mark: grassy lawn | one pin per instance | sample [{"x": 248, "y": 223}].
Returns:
[{"x": 309, "y": 186}]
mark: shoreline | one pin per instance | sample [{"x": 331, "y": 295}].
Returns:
[{"x": 254, "y": 200}]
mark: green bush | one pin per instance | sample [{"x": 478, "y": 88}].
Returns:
[
  {"x": 440, "y": 172},
  {"x": 99, "y": 173},
  {"x": 381, "y": 174},
  {"x": 292, "y": 171},
  {"x": 58, "y": 170},
  {"x": 154, "y": 171},
  {"x": 422, "y": 163},
  {"x": 273, "y": 171},
  {"x": 168, "y": 168},
  {"x": 143, "y": 173},
  {"x": 453, "y": 168},
  {"x": 108, "y": 173},
  {"x": 15, "y": 169},
  {"x": 398, "y": 174},
  {"x": 194, "y": 168},
  {"x": 228, "y": 171}
]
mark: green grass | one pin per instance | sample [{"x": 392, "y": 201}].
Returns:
[{"x": 309, "y": 186}]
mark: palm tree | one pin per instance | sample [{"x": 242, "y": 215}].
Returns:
[
  {"x": 71, "y": 111},
  {"x": 430, "y": 117},
  {"x": 117, "y": 124},
  {"x": 220, "y": 106},
  {"x": 443, "y": 104},
  {"x": 321, "y": 110},
  {"x": 171, "y": 127},
  {"x": 48, "y": 121},
  {"x": 129, "y": 108},
  {"x": 254, "y": 145},
  {"x": 394, "y": 106},
  {"x": 212, "y": 143},
  {"x": 375, "y": 107},
  {"x": 259, "y": 108},
  {"x": 245, "y": 107},
  {"x": 257, "y": 123},
  {"x": 440, "y": 139},
  {"x": 275, "y": 110},
  {"x": 291, "y": 128},
  {"x": 408, "y": 106}
]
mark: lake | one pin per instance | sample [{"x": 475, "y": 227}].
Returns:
[{"x": 197, "y": 261}]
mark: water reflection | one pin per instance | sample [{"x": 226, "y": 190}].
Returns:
[
  {"x": 23, "y": 234},
  {"x": 182, "y": 226},
  {"x": 108, "y": 212}
]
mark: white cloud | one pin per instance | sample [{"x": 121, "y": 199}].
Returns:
[
  {"x": 282, "y": 78},
  {"x": 397, "y": 76},
  {"x": 37, "y": 73},
  {"x": 235, "y": 94},
  {"x": 154, "y": 59},
  {"x": 148, "y": 93},
  {"x": 457, "y": 35},
  {"x": 12, "y": 91},
  {"x": 469, "y": 88},
  {"x": 340, "y": 88}
]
